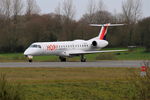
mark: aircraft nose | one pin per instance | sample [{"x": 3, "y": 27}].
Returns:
[
  {"x": 32, "y": 52},
  {"x": 27, "y": 52}
]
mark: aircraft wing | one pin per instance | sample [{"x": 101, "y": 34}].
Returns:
[{"x": 91, "y": 52}]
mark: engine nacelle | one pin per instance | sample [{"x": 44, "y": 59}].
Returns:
[
  {"x": 94, "y": 43},
  {"x": 99, "y": 43}
]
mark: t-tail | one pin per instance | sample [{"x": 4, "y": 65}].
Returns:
[{"x": 103, "y": 31}]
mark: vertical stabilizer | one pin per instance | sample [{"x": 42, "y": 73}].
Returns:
[{"x": 103, "y": 31}]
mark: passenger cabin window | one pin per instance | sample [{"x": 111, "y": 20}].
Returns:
[{"x": 35, "y": 46}]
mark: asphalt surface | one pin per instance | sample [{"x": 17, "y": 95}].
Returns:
[{"x": 74, "y": 64}]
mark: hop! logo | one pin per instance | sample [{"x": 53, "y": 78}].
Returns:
[{"x": 51, "y": 47}]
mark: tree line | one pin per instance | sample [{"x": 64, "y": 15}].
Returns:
[{"x": 22, "y": 24}]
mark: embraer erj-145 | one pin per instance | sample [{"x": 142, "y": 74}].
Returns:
[{"x": 65, "y": 49}]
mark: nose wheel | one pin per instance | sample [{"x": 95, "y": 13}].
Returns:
[
  {"x": 30, "y": 58},
  {"x": 83, "y": 59}
]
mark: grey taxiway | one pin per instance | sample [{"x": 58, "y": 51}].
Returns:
[{"x": 74, "y": 64}]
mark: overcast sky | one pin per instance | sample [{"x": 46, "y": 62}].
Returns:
[{"x": 48, "y": 6}]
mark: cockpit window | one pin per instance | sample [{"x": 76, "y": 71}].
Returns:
[{"x": 35, "y": 46}]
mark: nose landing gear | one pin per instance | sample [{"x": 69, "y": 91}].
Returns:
[{"x": 30, "y": 58}]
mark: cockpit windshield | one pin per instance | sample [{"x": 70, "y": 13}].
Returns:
[{"x": 35, "y": 46}]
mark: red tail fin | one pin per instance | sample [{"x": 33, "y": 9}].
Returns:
[{"x": 103, "y": 32}]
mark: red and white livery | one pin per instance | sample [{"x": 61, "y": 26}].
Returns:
[{"x": 65, "y": 49}]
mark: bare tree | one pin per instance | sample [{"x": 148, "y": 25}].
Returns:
[
  {"x": 17, "y": 9},
  {"x": 101, "y": 15},
  {"x": 101, "y": 6},
  {"x": 58, "y": 13},
  {"x": 5, "y": 8},
  {"x": 91, "y": 9},
  {"x": 1, "y": 8},
  {"x": 32, "y": 7},
  {"x": 68, "y": 9},
  {"x": 132, "y": 10},
  {"x": 58, "y": 9},
  {"x": 96, "y": 12}
]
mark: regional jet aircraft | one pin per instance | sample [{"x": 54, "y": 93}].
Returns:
[{"x": 65, "y": 49}]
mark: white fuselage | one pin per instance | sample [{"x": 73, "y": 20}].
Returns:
[{"x": 63, "y": 48}]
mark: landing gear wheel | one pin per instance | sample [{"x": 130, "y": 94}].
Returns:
[
  {"x": 83, "y": 59},
  {"x": 62, "y": 59},
  {"x": 30, "y": 60}
]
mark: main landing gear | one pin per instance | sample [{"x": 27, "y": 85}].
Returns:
[
  {"x": 62, "y": 59},
  {"x": 83, "y": 59},
  {"x": 30, "y": 60}
]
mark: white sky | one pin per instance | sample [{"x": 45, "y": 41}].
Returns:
[{"x": 48, "y": 6}]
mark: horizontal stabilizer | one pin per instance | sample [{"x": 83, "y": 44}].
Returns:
[{"x": 98, "y": 25}]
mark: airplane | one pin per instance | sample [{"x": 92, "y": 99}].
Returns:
[{"x": 65, "y": 49}]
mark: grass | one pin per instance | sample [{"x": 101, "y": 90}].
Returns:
[
  {"x": 65, "y": 74},
  {"x": 73, "y": 83},
  {"x": 9, "y": 91},
  {"x": 8, "y": 57},
  {"x": 136, "y": 54}
]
